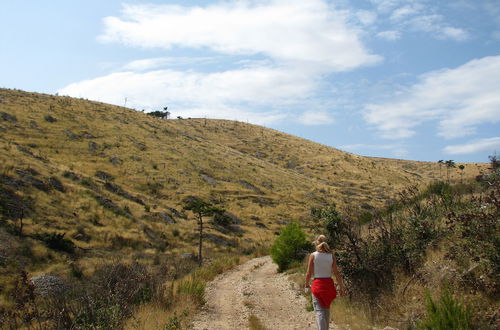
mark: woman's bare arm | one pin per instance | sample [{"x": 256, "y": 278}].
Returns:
[
  {"x": 338, "y": 277},
  {"x": 310, "y": 270}
]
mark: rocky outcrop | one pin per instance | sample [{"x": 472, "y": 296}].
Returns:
[{"x": 49, "y": 286}]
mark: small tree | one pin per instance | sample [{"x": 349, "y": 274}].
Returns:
[
  {"x": 341, "y": 232},
  {"x": 201, "y": 209},
  {"x": 461, "y": 167},
  {"x": 159, "y": 114},
  {"x": 494, "y": 162},
  {"x": 14, "y": 207},
  {"x": 440, "y": 162},
  {"x": 449, "y": 164},
  {"x": 291, "y": 245},
  {"x": 167, "y": 113}
]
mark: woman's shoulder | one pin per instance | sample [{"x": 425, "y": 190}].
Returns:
[
  {"x": 328, "y": 255},
  {"x": 322, "y": 254}
]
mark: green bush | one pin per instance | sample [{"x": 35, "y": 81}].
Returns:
[
  {"x": 417, "y": 233},
  {"x": 365, "y": 218},
  {"x": 446, "y": 314},
  {"x": 439, "y": 188},
  {"x": 333, "y": 222},
  {"x": 291, "y": 245},
  {"x": 57, "y": 242},
  {"x": 222, "y": 219}
]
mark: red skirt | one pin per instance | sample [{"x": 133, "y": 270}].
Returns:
[{"x": 324, "y": 290}]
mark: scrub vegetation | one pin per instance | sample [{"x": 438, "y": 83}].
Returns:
[{"x": 429, "y": 260}]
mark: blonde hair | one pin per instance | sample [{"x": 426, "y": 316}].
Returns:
[{"x": 321, "y": 244}]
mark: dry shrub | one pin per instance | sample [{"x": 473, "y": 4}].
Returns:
[
  {"x": 182, "y": 294},
  {"x": 105, "y": 300}
]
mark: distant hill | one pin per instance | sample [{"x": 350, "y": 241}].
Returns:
[{"x": 114, "y": 180}]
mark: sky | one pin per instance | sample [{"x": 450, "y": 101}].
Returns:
[{"x": 408, "y": 79}]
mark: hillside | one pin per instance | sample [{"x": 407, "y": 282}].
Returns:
[{"x": 114, "y": 180}]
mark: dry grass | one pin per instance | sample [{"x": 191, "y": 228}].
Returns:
[
  {"x": 162, "y": 162},
  {"x": 347, "y": 316},
  {"x": 156, "y": 316},
  {"x": 184, "y": 296}
]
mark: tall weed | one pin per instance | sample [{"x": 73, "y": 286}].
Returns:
[
  {"x": 194, "y": 288},
  {"x": 446, "y": 314}
]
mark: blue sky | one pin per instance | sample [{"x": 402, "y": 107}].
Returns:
[{"x": 412, "y": 79}]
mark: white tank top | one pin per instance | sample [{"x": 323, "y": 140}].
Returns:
[{"x": 322, "y": 265}]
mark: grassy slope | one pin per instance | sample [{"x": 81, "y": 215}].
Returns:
[{"x": 258, "y": 174}]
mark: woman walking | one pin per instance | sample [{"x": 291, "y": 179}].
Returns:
[{"x": 322, "y": 264}]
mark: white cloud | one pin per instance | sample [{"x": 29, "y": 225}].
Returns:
[
  {"x": 390, "y": 35},
  {"x": 435, "y": 24},
  {"x": 146, "y": 64},
  {"x": 269, "y": 55},
  {"x": 299, "y": 31},
  {"x": 482, "y": 145},
  {"x": 454, "y": 33},
  {"x": 458, "y": 99},
  {"x": 258, "y": 85},
  {"x": 464, "y": 4},
  {"x": 359, "y": 146},
  {"x": 366, "y": 17},
  {"x": 405, "y": 11},
  {"x": 386, "y": 6},
  {"x": 418, "y": 16},
  {"x": 312, "y": 118},
  {"x": 233, "y": 113},
  {"x": 231, "y": 89},
  {"x": 400, "y": 152},
  {"x": 158, "y": 62},
  {"x": 397, "y": 150},
  {"x": 492, "y": 9}
]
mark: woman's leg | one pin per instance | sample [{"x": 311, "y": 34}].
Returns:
[{"x": 322, "y": 314}]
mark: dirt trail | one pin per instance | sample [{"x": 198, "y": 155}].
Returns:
[{"x": 255, "y": 288}]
